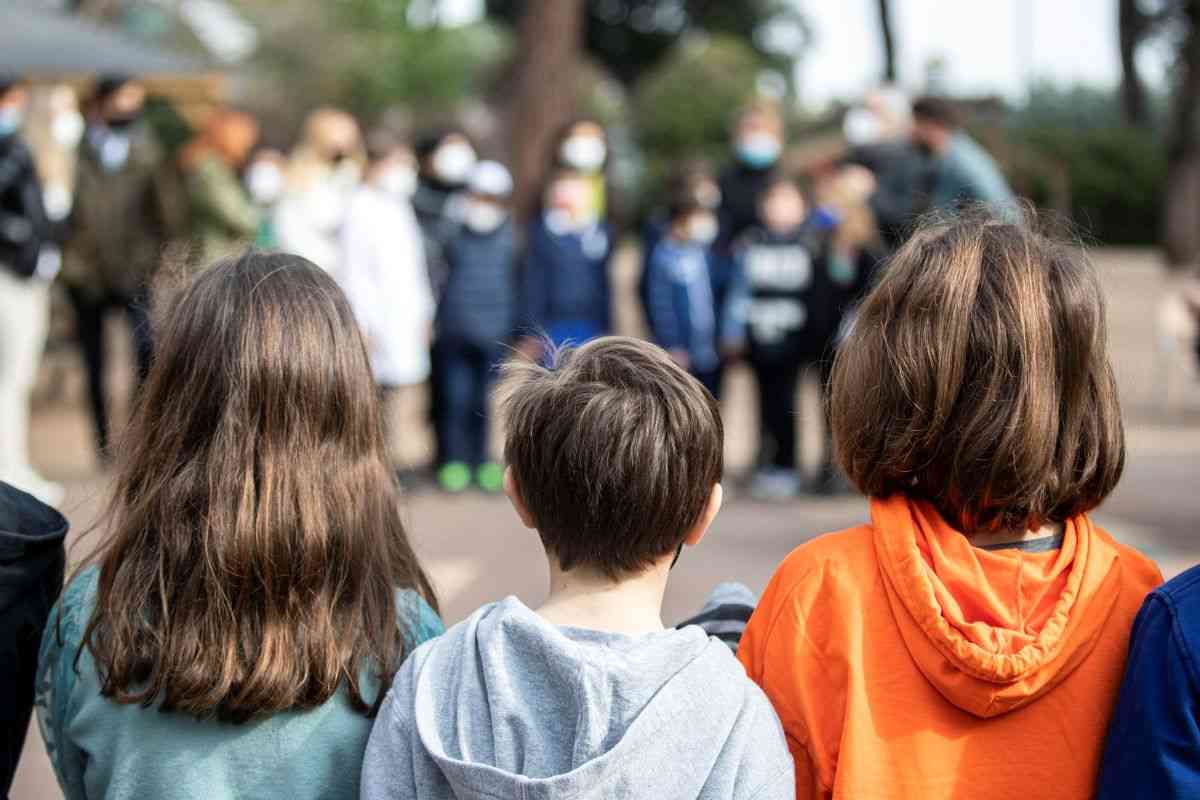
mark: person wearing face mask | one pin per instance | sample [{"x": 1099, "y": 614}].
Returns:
[
  {"x": 792, "y": 278},
  {"x": 264, "y": 179},
  {"x": 324, "y": 172},
  {"x": 962, "y": 172},
  {"x": 474, "y": 320},
  {"x": 386, "y": 279},
  {"x": 682, "y": 312},
  {"x": 583, "y": 147},
  {"x": 566, "y": 294},
  {"x": 224, "y": 218},
  {"x": 29, "y": 259},
  {"x": 758, "y": 141},
  {"x": 879, "y": 135},
  {"x": 129, "y": 205},
  {"x": 446, "y": 159}
]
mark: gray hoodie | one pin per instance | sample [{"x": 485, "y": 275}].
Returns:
[{"x": 506, "y": 705}]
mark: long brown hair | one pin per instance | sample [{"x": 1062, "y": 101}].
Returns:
[
  {"x": 254, "y": 539},
  {"x": 977, "y": 376}
]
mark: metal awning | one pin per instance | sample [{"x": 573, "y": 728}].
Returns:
[{"x": 34, "y": 41}]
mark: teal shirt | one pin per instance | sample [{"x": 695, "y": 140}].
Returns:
[
  {"x": 103, "y": 749},
  {"x": 967, "y": 173}
]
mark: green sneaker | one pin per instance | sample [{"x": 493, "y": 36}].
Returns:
[
  {"x": 490, "y": 477},
  {"x": 454, "y": 477}
]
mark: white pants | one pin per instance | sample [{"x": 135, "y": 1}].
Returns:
[{"x": 24, "y": 320}]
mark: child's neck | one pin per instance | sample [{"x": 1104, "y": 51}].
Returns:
[{"x": 586, "y": 598}]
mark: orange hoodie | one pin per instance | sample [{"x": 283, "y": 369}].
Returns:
[{"x": 906, "y": 663}]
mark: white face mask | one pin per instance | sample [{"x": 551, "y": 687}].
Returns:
[
  {"x": 57, "y": 200},
  {"x": 114, "y": 151},
  {"x": 453, "y": 162},
  {"x": 264, "y": 182},
  {"x": 399, "y": 181},
  {"x": 67, "y": 129},
  {"x": 346, "y": 174},
  {"x": 862, "y": 126},
  {"x": 586, "y": 153},
  {"x": 483, "y": 217},
  {"x": 758, "y": 150},
  {"x": 702, "y": 229},
  {"x": 11, "y": 119}
]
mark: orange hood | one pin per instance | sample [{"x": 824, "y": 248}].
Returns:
[{"x": 992, "y": 630}]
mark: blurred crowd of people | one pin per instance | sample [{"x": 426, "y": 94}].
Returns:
[{"x": 755, "y": 261}]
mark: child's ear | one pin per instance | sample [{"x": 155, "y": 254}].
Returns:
[
  {"x": 715, "y": 498},
  {"x": 513, "y": 490}
]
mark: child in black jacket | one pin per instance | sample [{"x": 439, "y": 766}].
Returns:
[{"x": 791, "y": 288}]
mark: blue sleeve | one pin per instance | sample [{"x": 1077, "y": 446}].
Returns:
[
  {"x": 664, "y": 317},
  {"x": 606, "y": 296},
  {"x": 56, "y": 683},
  {"x": 1153, "y": 747},
  {"x": 533, "y": 284},
  {"x": 736, "y": 308}
]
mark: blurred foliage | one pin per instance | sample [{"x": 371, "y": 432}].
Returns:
[
  {"x": 368, "y": 57},
  {"x": 396, "y": 62},
  {"x": 1071, "y": 147},
  {"x": 632, "y": 37},
  {"x": 684, "y": 107}
]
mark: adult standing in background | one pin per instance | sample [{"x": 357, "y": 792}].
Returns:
[
  {"x": 224, "y": 218},
  {"x": 583, "y": 147},
  {"x": 325, "y": 170},
  {"x": 128, "y": 206},
  {"x": 28, "y": 261},
  {"x": 962, "y": 171},
  {"x": 445, "y": 159},
  {"x": 758, "y": 142},
  {"x": 879, "y": 132},
  {"x": 386, "y": 280}
]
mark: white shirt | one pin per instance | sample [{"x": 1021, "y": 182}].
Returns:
[{"x": 383, "y": 272}]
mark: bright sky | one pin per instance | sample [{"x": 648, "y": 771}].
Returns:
[{"x": 988, "y": 45}]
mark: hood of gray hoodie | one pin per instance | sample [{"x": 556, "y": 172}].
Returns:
[{"x": 507, "y": 705}]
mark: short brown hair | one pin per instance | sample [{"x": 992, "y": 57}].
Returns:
[
  {"x": 977, "y": 376},
  {"x": 615, "y": 450},
  {"x": 937, "y": 109}
]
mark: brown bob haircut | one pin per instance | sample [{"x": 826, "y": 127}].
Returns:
[
  {"x": 254, "y": 542},
  {"x": 977, "y": 376},
  {"x": 615, "y": 450}
]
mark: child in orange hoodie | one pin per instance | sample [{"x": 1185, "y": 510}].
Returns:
[{"x": 969, "y": 641}]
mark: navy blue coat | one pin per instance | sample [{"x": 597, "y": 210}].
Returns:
[
  {"x": 478, "y": 304},
  {"x": 566, "y": 285},
  {"x": 31, "y": 575},
  {"x": 1153, "y": 748}
]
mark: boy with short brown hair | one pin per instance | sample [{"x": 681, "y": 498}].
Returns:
[{"x": 614, "y": 458}]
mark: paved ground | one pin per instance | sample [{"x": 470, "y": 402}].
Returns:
[{"x": 476, "y": 551}]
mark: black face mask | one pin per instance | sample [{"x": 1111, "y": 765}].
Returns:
[
  {"x": 923, "y": 148},
  {"x": 122, "y": 123}
]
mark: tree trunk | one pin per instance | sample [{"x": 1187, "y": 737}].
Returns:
[
  {"x": 1181, "y": 235},
  {"x": 1131, "y": 25},
  {"x": 550, "y": 39},
  {"x": 889, "y": 41}
]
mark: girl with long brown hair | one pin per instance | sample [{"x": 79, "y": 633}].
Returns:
[{"x": 256, "y": 590}]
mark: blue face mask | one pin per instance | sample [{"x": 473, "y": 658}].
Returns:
[
  {"x": 11, "y": 118},
  {"x": 758, "y": 150}
]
